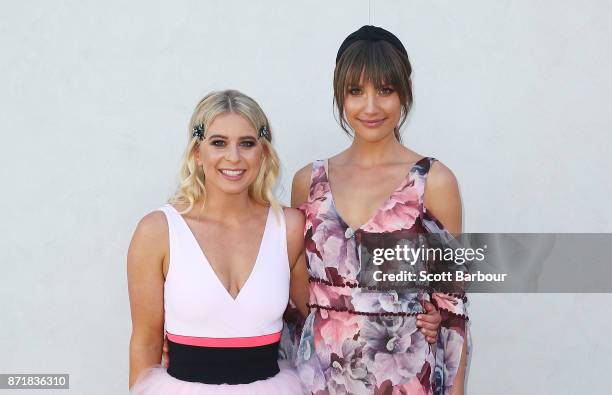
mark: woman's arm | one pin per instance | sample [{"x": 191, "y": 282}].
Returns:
[
  {"x": 299, "y": 272},
  {"x": 298, "y": 292},
  {"x": 300, "y": 187},
  {"x": 442, "y": 197},
  {"x": 146, "y": 256},
  {"x": 443, "y": 201}
]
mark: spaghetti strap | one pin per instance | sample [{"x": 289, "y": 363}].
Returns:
[
  {"x": 317, "y": 175},
  {"x": 423, "y": 165}
]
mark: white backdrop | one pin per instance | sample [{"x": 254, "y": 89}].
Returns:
[{"x": 514, "y": 96}]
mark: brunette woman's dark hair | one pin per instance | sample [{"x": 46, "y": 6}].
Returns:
[{"x": 378, "y": 62}]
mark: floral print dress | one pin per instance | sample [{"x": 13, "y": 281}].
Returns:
[{"x": 362, "y": 341}]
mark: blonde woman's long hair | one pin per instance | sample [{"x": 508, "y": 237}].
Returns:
[{"x": 191, "y": 187}]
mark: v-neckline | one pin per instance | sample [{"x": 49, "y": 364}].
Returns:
[
  {"x": 208, "y": 265},
  {"x": 382, "y": 204}
]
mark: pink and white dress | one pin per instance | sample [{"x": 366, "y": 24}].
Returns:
[{"x": 218, "y": 344}]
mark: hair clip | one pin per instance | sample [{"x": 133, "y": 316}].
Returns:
[
  {"x": 198, "y": 131},
  {"x": 265, "y": 133}
]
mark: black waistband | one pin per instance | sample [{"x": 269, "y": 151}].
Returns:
[{"x": 215, "y": 365}]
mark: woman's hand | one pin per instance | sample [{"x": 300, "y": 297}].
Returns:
[{"x": 429, "y": 323}]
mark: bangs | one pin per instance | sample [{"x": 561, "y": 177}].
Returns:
[{"x": 376, "y": 62}]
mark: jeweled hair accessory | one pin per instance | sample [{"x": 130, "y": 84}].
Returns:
[
  {"x": 198, "y": 131},
  {"x": 265, "y": 133}
]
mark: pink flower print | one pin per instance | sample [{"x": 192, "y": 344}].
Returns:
[
  {"x": 325, "y": 295},
  {"x": 339, "y": 251},
  {"x": 310, "y": 364},
  {"x": 348, "y": 372},
  {"x": 336, "y": 329},
  {"x": 366, "y": 301},
  {"x": 451, "y": 354},
  {"x": 413, "y": 387},
  {"x": 399, "y": 212},
  {"x": 396, "y": 348},
  {"x": 449, "y": 303},
  {"x": 319, "y": 204},
  {"x": 387, "y": 301}
]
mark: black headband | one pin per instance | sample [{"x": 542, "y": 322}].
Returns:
[{"x": 371, "y": 33}]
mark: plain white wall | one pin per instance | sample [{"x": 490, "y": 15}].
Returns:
[{"x": 514, "y": 96}]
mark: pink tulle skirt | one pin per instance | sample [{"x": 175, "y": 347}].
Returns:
[{"x": 156, "y": 381}]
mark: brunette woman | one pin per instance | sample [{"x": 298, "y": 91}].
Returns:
[{"x": 360, "y": 339}]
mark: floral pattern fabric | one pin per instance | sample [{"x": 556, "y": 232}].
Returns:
[{"x": 357, "y": 340}]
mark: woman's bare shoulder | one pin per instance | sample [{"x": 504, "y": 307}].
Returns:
[
  {"x": 440, "y": 176},
  {"x": 301, "y": 185},
  {"x": 153, "y": 223},
  {"x": 294, "y": 219},
  {"x": 151, "y": 232},
  {"x": 442, "y": 197},
  {"x": 302, "y": 176}
]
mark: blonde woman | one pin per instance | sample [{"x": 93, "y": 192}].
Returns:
[{"x": 211, "y": 269}]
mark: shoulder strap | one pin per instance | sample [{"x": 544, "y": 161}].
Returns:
[
  {"x": 423, "y": 165},
  {"x": 171, "y": 218},
  {"x": 420, "y": 170},
  {"x": 317, "y": 176},
  {"x": 282, "y": 229}
]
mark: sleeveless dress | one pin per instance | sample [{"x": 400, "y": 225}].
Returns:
[
  {"x": 218, "y": 344},
  {"x": 358, "y": 340}
]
